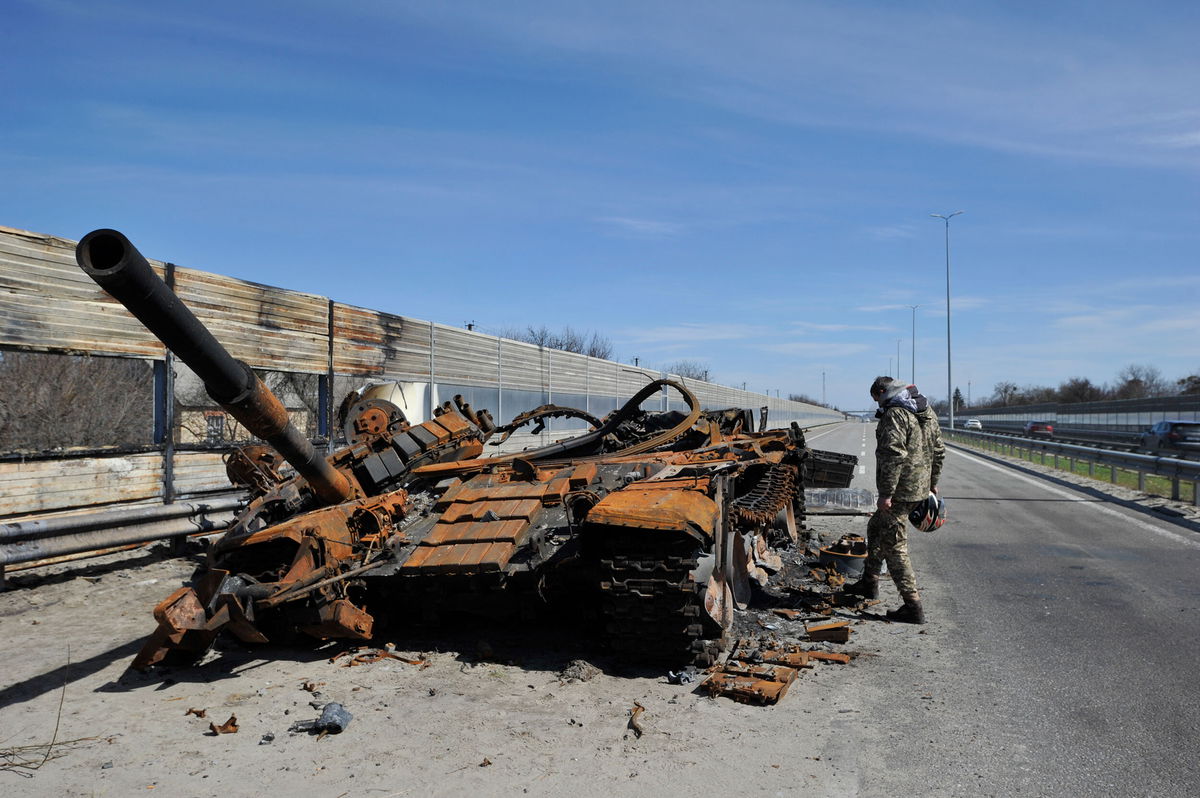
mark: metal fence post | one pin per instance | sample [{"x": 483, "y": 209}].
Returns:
[
  {"x": 432, "y": 384},
  {"x": 327, "y": 415}
]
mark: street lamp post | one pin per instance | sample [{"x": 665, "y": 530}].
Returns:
[
  {"x": 913, "y": 360},
  {"x": 949, "y": 385},
  {"x": 899, "y": 370}
]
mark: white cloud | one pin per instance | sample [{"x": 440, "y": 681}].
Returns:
[
  {"x": 1092, "y": 88},
  {"x": 1181, "y": 141},
  {"x": 824, "y": 349},
  {"x": 808, "y": 325},
  {"x": 642, "y": 227},
  {"x": 677, "y": 335},
  {"x": 893, "y": 232}
]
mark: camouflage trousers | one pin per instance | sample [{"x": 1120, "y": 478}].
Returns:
[{"x": 887, "y": 540}]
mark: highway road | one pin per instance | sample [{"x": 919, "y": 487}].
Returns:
[{"x": 1062, "y": 654}]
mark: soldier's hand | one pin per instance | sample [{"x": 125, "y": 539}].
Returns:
[
  {"x": 884, "y": 503},
  {"x": 933, "y": 489}
]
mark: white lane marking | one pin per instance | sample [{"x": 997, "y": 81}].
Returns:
[
  {"x": 819, "y": 434},
  {"x": 862, "y": 469},
  {"x": 1085, "y": 502}
]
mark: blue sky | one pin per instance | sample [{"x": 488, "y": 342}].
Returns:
[{"x": 744, "y": 184}]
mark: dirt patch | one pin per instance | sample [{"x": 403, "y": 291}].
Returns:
[{"x": 548, "y": 709}]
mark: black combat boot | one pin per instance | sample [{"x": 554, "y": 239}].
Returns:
[
  {"x": 867, "y": 587},
  {"x": 909, "y": 612}
]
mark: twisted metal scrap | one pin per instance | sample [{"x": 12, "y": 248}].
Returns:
[{"x": 540, "y": 415}]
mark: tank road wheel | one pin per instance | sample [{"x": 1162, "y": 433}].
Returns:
[{"x": 652, "y": 587}]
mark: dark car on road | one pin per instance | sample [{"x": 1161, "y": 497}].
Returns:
[
  {"x": 1039, "y": 429},
  {"x": 1178, "y": 435}
]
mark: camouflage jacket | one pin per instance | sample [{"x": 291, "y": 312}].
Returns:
[{"x": 908, "y": 453}]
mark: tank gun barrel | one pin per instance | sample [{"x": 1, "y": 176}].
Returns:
[{"x": 109, "y": 258}]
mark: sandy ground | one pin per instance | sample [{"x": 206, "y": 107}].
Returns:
[{"x": 490, "y": 714}]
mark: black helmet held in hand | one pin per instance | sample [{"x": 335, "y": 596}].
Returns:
[{"x": 929, "y": 514}]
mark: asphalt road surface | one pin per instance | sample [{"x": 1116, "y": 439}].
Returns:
[{"x": 1061, "y": 655}]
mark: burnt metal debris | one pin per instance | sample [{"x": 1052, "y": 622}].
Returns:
[
  {"x": 656, "y": 522},
  {"x": 761, "y": 672}
]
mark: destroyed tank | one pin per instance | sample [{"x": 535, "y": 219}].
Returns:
[{"x": 657, "y": 522}]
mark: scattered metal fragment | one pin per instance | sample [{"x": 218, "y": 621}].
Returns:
[
  {"x": 836, "y": 632},
  {"x": 685, "y": 676},
  {"x": 365, "y": 655},
  {"x": 847, "y": 556},
  {"x": 311, "y": 687},
  {"x": 634, "y": 713},
  {"x": 267, "y": 739},
  {"x": 750, "y": 684},
  {"x": 830, "y": 656},
  {"x": 228, "y": 727},
  {"x": 787, "y": 614},
  {"x": 333, "y": 720},
  {"x": 200, "y": 713},
  {"x": 485, "y": 763}
]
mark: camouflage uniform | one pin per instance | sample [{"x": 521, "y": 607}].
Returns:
[{"x": 908, "y": 462}]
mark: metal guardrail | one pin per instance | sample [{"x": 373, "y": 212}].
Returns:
[
  {"x": 1172, "y": 468},
  {"x": 1079, "y": 434},
  {"x": 43, "y": 539}
]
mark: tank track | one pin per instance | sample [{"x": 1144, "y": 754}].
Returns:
[
  {"x": 763, "y": 502},
  {"x": 652, "y": 608}
]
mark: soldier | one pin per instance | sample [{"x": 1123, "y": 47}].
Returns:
[{"x": 908, "y": 462}]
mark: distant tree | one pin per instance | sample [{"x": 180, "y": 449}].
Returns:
[
  {"x": 600, "y": 347},
  {"x": 958, "y": 400},
  {"x": 1005, "y": 392},
  {"x": 1139, "y": 381},
  {"x": 1035, "y": 394},
  {"x": 691, "y": 369},
  {"x": 1189, "y": 385},
  {"x": 52, "y": 401},
  {"x": 803, "y": 397},
  {"x": 592, "y": 344},
  {"x": 1079, "y": 389}
]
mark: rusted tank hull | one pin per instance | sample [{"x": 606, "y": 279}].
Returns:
[{"x": 659, "y": 521}]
